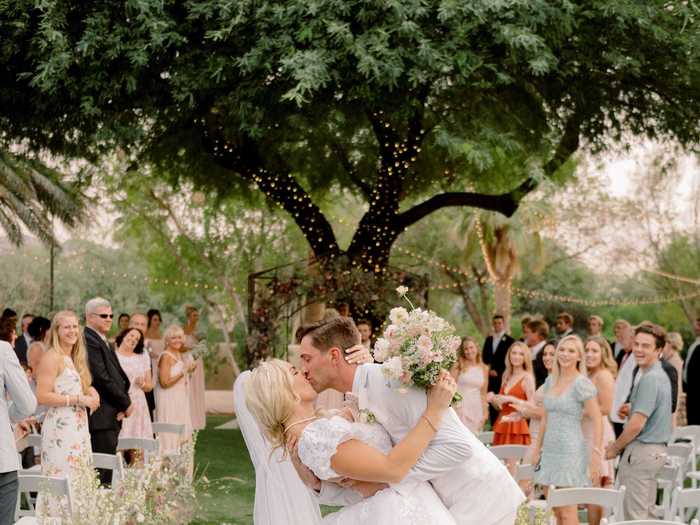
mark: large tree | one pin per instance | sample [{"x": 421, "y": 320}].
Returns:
[{"x": 415, "y": 105}]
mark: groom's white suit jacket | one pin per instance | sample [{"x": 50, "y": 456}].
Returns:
[{"x": 472, "y": 483}]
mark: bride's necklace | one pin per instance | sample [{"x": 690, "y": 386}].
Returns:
[{"x": 305, "y": 420}]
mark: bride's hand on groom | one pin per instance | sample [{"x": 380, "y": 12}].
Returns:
[
  {"x": 366, "y": 488},
  {"x": 358, "y": 354},
  {"x": 441, "y": 393}
]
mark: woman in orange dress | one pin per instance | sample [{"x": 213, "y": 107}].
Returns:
[{"x": 518, "y": 384}]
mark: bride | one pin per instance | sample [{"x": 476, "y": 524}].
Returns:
[{"x": 334, "y": 447}]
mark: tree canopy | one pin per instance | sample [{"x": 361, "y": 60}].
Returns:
[{"x": 414, "y": 105}]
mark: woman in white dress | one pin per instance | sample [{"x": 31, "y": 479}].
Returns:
[
  {"x": 282, "y": 401},
  {"x": 472, "y": 381},
  {"x": 64, "y": 386}
]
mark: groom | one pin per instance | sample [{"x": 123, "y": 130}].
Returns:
[{"x": 470, "y": 480}]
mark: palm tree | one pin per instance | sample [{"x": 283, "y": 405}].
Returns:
[{"x": 32, "y": 193}]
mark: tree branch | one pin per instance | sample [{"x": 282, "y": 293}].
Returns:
[{"x": 365, "y": 188}]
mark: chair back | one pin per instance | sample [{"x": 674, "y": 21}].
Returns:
[
  {"x": 647, "y": 522},
  {"x": 524, "y": 472},
  {"x": 668, "y": 478},
  {"x": 504, "y": 452},
  {"x": 168, "y": 428},
  {"x": 610, "y": 499},
  {"x": 56, "y": 487},
  {"x": 682, "y": 501},
  {"x": 486, "y": 438},
  {"x": 149, "y": 446},
  {"x": 113, "y": 462},
  {"x": 682, "y": 454}
]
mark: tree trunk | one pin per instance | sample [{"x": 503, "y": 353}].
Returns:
[{"x": 503, "y": 298}]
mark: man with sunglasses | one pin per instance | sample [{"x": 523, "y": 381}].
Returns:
[{"x": 109, "y": 380}]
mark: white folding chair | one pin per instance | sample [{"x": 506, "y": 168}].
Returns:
[
  {"x": 647, "y": 522},
  {"x": 486, "y": 438},
  {"x": 683, "y": 502},
  {"x": 56, "y": 487},
  {"x": 682, "y": 454},
  {"x": 610, "y": 499},
  {"x": 691, "y": 434},
  {"x": 524, "y": 472},
  {"x": 668, "y": 479},
  {"x": 506, "y": 452},
  {"x": 149, "y": 446},
  {"x": 113, "y": 462}
]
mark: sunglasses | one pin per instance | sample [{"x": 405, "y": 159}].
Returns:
[{"x": 105, "y": 316}]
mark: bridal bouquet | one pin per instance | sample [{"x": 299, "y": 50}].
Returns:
[{"x": 416, "y": 346}]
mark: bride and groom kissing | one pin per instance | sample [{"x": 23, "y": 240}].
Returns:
[{"x": 395, "y": 455}]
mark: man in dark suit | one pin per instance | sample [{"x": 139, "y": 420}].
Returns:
[
  {"x": 109, "y": 380},
  {"x": 494, "y": 356},
  {"x": 536, "y": 333},
  {"x": 691, "y": 378},
  {"x": 23, "y": 341}
]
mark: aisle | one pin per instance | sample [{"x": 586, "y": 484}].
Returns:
[{"x": 222, "y": 458}]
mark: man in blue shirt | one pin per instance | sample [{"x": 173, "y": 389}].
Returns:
[{"x": 648, "y": 428}]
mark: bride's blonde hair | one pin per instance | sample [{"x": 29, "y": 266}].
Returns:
[{"x": 270, "y": 397}]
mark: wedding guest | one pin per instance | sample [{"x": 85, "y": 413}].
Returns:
[
  {"x": 365, "y": 328},
  {"x": 154, "y": 344},
  {"x": 136, "y": 363},
  {"x": 534, "y": 410},
  {"x": 123, "y": 321},
  {"x": 595, "y": 325},
  {"x": 14, "y": 388},
  {"x": 64, "y": 385},
  {"x": 619, "y": 329},
  {"x": 648, "y": 428},
  {"x": 671, "y": 356},
  {"x": 24, "y": 340},
  {"x": 175, "y": 369},
  {"x": 564, "y": 325},
  {"x": 524, "y": 320},
  {"x": 39, "y": 328},
  {"x": 518, "y": 384},
  {"x": 34, "y": 355},
  {"x": 623, "y": 382},
  {"x": 493, "y": 354},
  {"x": 601, "y": 368},
  {"x": 140, "y": 321},
  {"x": 536, "y": 334},
  {"x": 561, "y": 451},
  {"x": 344, "y": 310},
  {"x": 109, "y": 380},
  {"x": 472, "y": 380},
  {"x": 197, "y": 387},
  {"x": 7, "y": 331},
  {"x": 691, "y": 378}
]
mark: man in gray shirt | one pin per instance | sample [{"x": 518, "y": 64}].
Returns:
[
  {"x": 22, "y": 403},
  {"x": 648, "y": 428}
]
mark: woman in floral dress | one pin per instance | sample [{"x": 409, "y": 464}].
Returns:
[
  {"x": 136, "y": 364},
  {"x": 64, "y": 385}
]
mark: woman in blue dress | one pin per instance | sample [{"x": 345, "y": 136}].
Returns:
[{"x": 561, "y": 453}]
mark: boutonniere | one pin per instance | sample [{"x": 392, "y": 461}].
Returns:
[{"x": 366, "y": 416}]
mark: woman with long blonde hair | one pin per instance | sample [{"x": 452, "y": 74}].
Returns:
[
  {"x": 518, "y": 384},
  {"x": 561, "y": 454},
  {"x": 601, "y": 368},
  {"x": 64, "y": 385},
  {"x": 472, "y": 378}
]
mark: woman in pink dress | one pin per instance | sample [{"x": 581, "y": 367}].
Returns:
[
  {"x": 601, "y": 369},
  {"x": 175, "y": 369},
  {"x": 136, "y": 364},
  {"x": 472, "y": 380},
  {"x": 198, "y": 408}
]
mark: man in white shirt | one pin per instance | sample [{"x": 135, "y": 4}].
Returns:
[
  {"x": 623, "y": 381},
  {"x": 365, "y": 329},
  {"x": 16, "y": 403},
  {"x": 691, "y": 378},
  {"x": 619, "y": 328}
]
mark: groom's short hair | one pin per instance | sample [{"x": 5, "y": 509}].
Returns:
[{"x": 338, "y": 332}]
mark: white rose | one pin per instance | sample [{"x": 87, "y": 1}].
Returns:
[
  {"x": 398, "y": 315},
  {"x": 393, "y": 368},
  {"x": 381, "y": 350},
  {"x": 402, "y": 290}
]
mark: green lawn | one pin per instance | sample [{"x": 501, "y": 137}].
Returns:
[{"x": 222, "y": 458}]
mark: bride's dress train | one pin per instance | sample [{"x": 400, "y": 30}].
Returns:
[{"x": 409, "y": 503}]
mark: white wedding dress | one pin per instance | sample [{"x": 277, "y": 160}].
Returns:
[{"x": 409, "y": 503}]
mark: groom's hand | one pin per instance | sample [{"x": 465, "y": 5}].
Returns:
[
  {"x": 366, "y": 488},
  {"x": 358, "y": 354},
  {"x": 305, "y": 474}
]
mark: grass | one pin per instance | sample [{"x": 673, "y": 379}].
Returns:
[{"x": 226, "y": 490}]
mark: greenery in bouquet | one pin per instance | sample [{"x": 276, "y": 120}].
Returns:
[
  {"x": 416, "y": 346},
  {"x": 201, "y": 349}
]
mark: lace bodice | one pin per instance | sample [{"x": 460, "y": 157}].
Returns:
[{"x": 320, "y": 439}]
